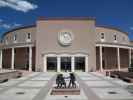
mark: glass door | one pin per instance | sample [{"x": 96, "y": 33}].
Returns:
[{"x": 66, "y": 64}]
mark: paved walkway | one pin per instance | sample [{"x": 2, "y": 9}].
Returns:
[
  {"x": 104, "y": 88},
  {"x": 37, "y": 86}
]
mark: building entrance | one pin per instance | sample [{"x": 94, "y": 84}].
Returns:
[{"x": 66, "y": 64}]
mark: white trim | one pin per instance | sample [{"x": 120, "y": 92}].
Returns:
[
  {"x": 118, "y": 58},
  {"x": 12, "y": 59},
  {"x": 101, "y": 59},
  {"x": 30, "y": 59},
  {"x": 115, "y": 46},
  {"x": 58, "y": 64},
  {"x": 130, "y": 56},
  {"x": 45, "y": 64},
  {"x": 72, "y": 63},
  {"x": 86, "y": 64}
]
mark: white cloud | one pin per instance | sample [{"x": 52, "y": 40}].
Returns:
[
  {"x": 4, "y": 25},
  {"x": 1, "y": 20},
  {"x": 19, "y": 5},
  {"x": 131, "y": 28},
  {"x": 16, "y": 25}
]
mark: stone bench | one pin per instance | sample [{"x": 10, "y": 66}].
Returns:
[
  {"x": 5, "y": 76},
  {"x": 65, "y": 91},
  {"x": 114, "y": 76},
  {"x": 127, "y": 79}
]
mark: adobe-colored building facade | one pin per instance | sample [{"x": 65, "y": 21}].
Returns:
[{"x": 65, "y": 44}]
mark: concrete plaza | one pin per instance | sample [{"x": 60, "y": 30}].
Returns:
[{"x": 38, "y": 85}]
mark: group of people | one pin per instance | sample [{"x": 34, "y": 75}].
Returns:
[{"x": 61, "y": 83}]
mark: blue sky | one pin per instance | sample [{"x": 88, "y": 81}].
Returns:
[{"x": 116, "y": 13}]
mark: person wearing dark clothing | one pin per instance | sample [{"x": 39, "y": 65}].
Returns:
[
  {"x": 72, "y": 81},
  {"x": 60, "y": 81},
  {"x": 63, "y": 83}
]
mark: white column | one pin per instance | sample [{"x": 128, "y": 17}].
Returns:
[
  {"x": 12, "y": 59},
  {"x": 58, "y": 63},
  {"x": 130, "y": 55},
  {"x": 101, "y": 59},
  {"x": 72, "y": 64},
  {"x": 45, "y": 63},
  {"x": 118, "y": 58},
  {"x": 30, "y": 58},
  {"x": 86, "y": 64},
  {"x": 0, "y": 59}
]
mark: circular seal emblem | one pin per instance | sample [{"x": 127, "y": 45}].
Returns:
[{"x": 65, "y": 37}]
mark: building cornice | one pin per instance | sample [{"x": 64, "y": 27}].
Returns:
[
  {"x": 18, "y": 28},
  {"x": 111, "y": 27},
  {"x": 66, "y": 18}
]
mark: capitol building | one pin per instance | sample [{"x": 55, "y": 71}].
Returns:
[{"x": 65, "y": 44}]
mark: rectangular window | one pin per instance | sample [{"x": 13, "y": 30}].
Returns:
[
  {"x": 15, "y": 37},
  {"x": 115, "y": 38},
  {"x": 102, "y": 37},
  {"x": 28, "y": 37}
]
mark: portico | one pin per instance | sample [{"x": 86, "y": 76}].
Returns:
[
  {"x": 17, "y": 57},
  {"x": 118, "y": 56}
]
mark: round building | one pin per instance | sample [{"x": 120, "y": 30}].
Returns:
[{"x": 65, "y": 44}]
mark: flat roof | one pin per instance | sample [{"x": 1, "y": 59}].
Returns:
[{"x": 66, "y": 18}]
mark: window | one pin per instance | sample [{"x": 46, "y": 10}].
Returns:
[
  {"x": 52, "y": 63},
  {"x": 115, "y": 37},
  {"x": 102, "y": 36},
  {"x": 29, "y": 36},
  {"x": 15, "y": 37},
  {"x": 6, "y": 40}
]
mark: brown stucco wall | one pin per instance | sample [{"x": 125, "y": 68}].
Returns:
[
  {"x": 84, "y": 39},
  {"x": 6, "y": 58},
  {"x": 21, "y": 57},
  {"x": 110, "y": 57},
  {"x": 124, "y": 58}
]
